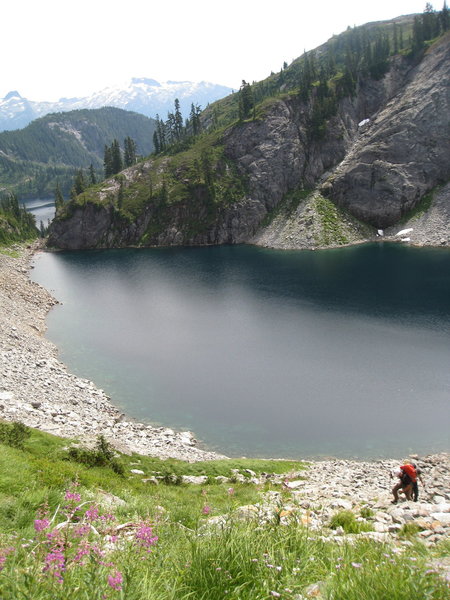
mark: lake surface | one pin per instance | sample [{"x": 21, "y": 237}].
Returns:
[
  {"x": 261, "y": 352},
  {"x": 42, "y": 209}
]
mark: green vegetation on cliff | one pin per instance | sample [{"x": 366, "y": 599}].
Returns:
[
  {"x": 189, "y": 188},
  {"x": 16, "y": 224},
  {"x": 214, "y": 178}
]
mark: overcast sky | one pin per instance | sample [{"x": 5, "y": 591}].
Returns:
[{"x": 56, "y": 48}]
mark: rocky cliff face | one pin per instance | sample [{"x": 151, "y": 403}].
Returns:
[
  {"x": 405, "y": 151},
  {"x": 374, "y": 173}
]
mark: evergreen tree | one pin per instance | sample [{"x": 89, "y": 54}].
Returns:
[
  {"x": 162, "y": 134},
  {"x": 417, "y": 36},
  {"x": 178, "y": 121},
  {"x": 246, "y": 100},
  {"x": 116, "y": 157},
  {"x": 444, "y": 17},
  {"x": 129, "y": 154},
  {"x": 79, "y": 184},
  {"x": 59, "y": 198},
  {"x": 194, "y": 119},
  {"x": 400, "y": 38},
  {"x": 107, "y": 162},
  {"x": 395, "y": 39},
  {"x": 159, "y": 136},
  {"x": 381, "y": 51},
  {"x": 430, "y": 23},
  {"x": 170, "y": 128},
  {"x": 92, "y": 177},
  {"x": 156, "y": 145}
]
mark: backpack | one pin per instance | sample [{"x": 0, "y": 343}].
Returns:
[{"x": 410, "y": 471}]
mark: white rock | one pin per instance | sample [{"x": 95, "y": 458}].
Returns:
[
  {"x": 444, "y": 518},
  {"x": 137, "y": 472},
  {"x": 293, "y": 485},
  {"x": 341, "y": 503},
  {"x": 195, "y": 479}
]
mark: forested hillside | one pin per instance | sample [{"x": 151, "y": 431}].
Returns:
[{"x": 49, "y": 150}]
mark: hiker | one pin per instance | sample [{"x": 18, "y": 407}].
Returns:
[
  {"x": 415, "y": 485},
  {"x": 407, "y": 475}
]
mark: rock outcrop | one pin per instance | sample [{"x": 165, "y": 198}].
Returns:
[
  {"x": 404, "y": 153},
  {"x": 386, "y": 147}
]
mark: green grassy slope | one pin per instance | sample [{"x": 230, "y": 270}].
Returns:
[{"x": 71, "y": 532}]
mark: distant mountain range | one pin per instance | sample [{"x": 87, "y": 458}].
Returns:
[{"x": 144, "y": 96}]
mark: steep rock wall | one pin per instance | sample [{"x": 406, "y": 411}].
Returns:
[{"x": 406, "y": 150}]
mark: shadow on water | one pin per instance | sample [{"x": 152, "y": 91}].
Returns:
[{"x": 262, "y": 352}]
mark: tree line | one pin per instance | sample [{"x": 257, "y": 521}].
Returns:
[
  {"x": 16, "y": 223},
  {"x": 175, "y": 131},
  {"x": 322, "y": 79}
]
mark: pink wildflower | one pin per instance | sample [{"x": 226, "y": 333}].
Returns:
[
  {"x": 55, "y": 564},
  {"x": 75, "y": 496},
  {"x": 92, "y": 513},
  {"x": 83, "y": 550},
  {"x": 41, "y": 524},
  {"x": 3, "y": 555},
  {"x": 108, "y": 517},
  {"x": 356, "y": 565},
  {"x": 81, "y": 530},
  {"x": 206, "y": 509},
  {"x": 145, "y": 538},
  {"x": 230, "y": 491},
  {"x": 115, "y": 581}
]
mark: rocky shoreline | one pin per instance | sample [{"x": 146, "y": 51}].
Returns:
[{"x": 37, "y": 389}]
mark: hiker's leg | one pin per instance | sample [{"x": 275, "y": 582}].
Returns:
[
  {"x": 396, "y": 489},
  {"x": 407, "y": 490}
]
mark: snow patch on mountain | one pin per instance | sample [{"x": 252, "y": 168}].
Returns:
[{"x": 139, "y": 94}]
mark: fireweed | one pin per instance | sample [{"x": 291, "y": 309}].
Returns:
[{"x": 79, "y": 537}]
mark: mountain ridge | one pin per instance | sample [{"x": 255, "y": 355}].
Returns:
[
  {"x": 139, "y": 94},
  {"x": 337, "y": 145}
]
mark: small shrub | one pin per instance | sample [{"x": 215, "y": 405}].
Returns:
[
  {"x": 409, "y": 530},
  {"x": 14, "y": 434},
  {"x": 366, "y": 512},
  {"x": 172, "y": 479},
  {"x": 102, "y": 455},
  {"x": 346, "y": 519}
]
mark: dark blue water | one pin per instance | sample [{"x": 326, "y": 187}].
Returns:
[{"x": 261, "y": 352}]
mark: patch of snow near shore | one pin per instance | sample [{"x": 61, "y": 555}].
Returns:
[{"x": 404, "y": 231}]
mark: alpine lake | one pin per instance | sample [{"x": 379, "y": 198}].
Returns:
[{"x": 261, "y": 352}]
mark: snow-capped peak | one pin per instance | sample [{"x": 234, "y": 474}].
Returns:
[{"x": 139, "y": 94}]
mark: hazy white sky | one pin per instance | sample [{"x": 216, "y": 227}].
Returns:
[{"x": 56, "y": 48}]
